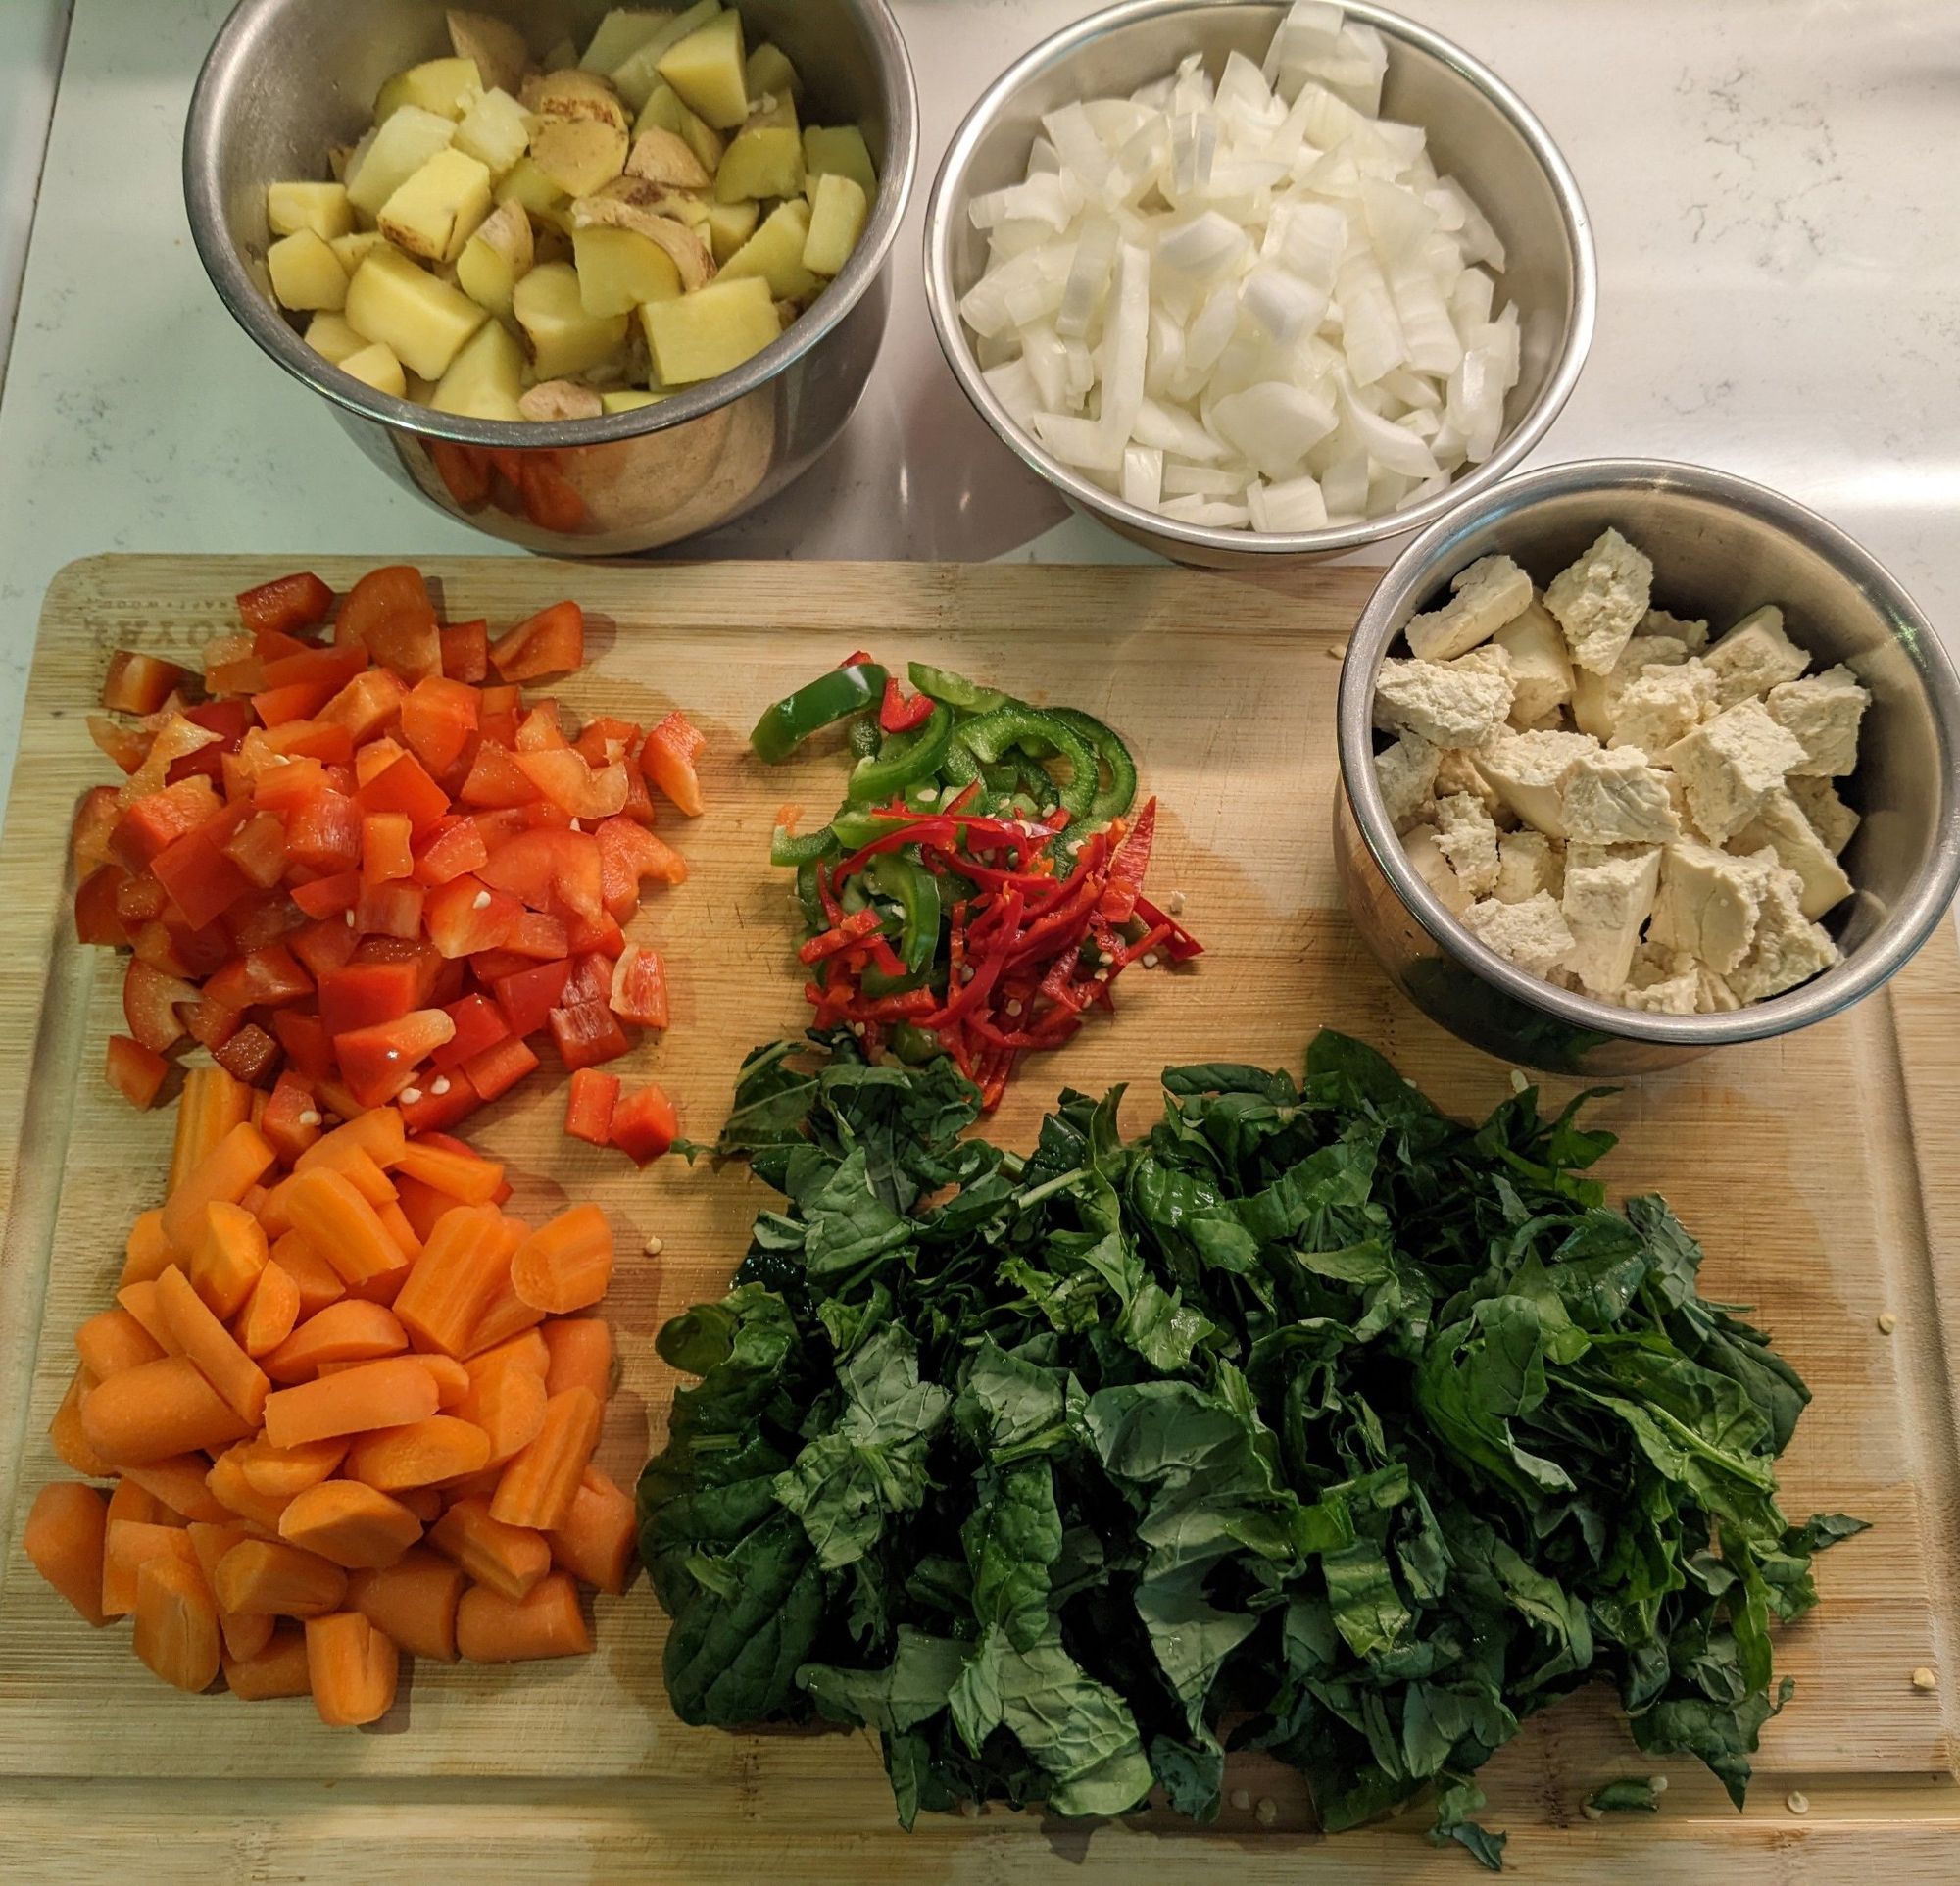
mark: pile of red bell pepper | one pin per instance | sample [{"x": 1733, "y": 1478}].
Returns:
[
  {"x": 361, "y": 872},
  {"x": 1038, "y": 944}
]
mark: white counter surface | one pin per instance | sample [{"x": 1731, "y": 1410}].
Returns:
[{"x": 1771, "y": 183}]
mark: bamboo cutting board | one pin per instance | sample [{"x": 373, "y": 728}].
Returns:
[{"x": 1821, "y": 1172}]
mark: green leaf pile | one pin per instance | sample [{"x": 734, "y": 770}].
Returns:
[{"x": 1313, "y": 1422}]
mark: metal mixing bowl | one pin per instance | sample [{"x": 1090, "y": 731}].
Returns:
[
  {"x": 1721, "y": 546},
  {"x": 286, "y": 79},
  {"x": 1480, "y": 132}
]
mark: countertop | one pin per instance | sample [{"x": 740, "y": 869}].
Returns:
[{"x": 1770, "y": 182}]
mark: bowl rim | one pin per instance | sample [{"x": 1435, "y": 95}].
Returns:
[
  {"x": 943, "y": 302},
  {"x": 226, "y": 68},
  {"x": 1435, "y": 555}
]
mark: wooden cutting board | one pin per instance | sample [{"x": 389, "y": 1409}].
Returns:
[{"x": 1821, "y": 1172}]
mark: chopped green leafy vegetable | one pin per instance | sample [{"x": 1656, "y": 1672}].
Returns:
[{"x": 1312, "y": 1415}]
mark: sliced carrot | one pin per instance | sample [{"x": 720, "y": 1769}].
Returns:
[
  {"x": 507, "y": 1402},
  {"x": 340, "y": 1224},
  {"x": 352, "y": 1668},
  {"x": 284, "y": 1471},
  {"x": 66, "y": 1538},
  {"x": 350, "y": 1330},
  {"x": 271, "y": 1312},
  {"x": 148, "y": 1253},
  {"x": 128, "y": 1501},
  {"x": 546, "y": 1621},
  {"x": 176, "y": 1623},
  {"x": 128, "y": 1543},
  {"x": 228, "y": 1258},
  {"x": 580, "y": 1349},
  {"x": 378, "y": 1132},
  {"x": 245, "y": 1633},
  {"x": 269, "y": 1577},
  {"x": 598, "y": 1536},
  {"x": 452, "y": 1379},
  {"x": 423, "y": 1453},
  {"x": 233, "y": 1491},
  {"x": 527, "y": 1348},
  {"x": 156, "y": 1409},
  {"x": 565, "y": 1264},
  {"x": 210, "y": 1345},
  {"x": 319, "y": 1283},
  {"x": 226, "y": 1173},
  {"x": 413, "y": 1602},
  {"x": 179, "y": 1483},
  {"x": 538, "y": 1485},
  {"x": 352, "y": 1524},
  {"x": 462, "y": 1176},
  {"x": 142, "y": 1302},
  {"x": 358, "y": 1400},
  {"x": 425, "y": 1502},
  {"x": 505, "y": 1315},
  {"x": 384, "y": 1287},
  {"x": 111, "y": 1341},
  {"x": 212, "y": 1103},
  {"x": 459, "y": 1273},
  {"x": 279, "y": 1669},
  {"x": 508, "y": 1559},
  {"x": 65, "y": 1433},
  {"x": 396, "y": 1222}
]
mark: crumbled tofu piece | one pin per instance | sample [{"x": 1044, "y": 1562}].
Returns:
[
  {"x": 1707, "y": 904},
  {"x": 1755, "y": 656},
  {"x": 1527, "y": 769},
  {"x": 1781, "y": 827},
  {"x": 1788, "y": 947},
  {"x": 1467, "y": 837},
  {"x": 1824, "y": 713},
  {"x": 1595, "y": 698},
  {"x": 1730, "y": 765},
  {"x": 1406, "y": 774},
  {"x": 1657, "y": 622},
  {"x": 1831, "y": 818},
  {"x": 1534, "y": 934},
  {"x": 1609, "y": 894},
  {"x": 1663, "y": 982},
  {"x": 1458, "y": 772},
  {"x": 1487, "y": 660},
  {"x": 1601, "y": 600},
  {"x": 1540, "y": 668},
  {"x": 1614, "y": 797},
  {"x": 1662, "y": 705},
  {"x": 1434, "y": 869},
  {"x": 1526, "y": 864},
  {"x": 1485, "y": 597},
  {"x": 1450, "y": 707}
]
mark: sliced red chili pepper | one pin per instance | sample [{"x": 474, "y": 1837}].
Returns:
[
  {"x": 897, "y": 715},
  {"x": 1129, "y": 866},
  {"x": 855, "y": 659},
  {"x": 841, "y": 936},
  {"x": 1180, "y": 945}
]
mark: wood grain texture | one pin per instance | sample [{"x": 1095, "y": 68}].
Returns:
[{"x": 1820, "y": 1172}]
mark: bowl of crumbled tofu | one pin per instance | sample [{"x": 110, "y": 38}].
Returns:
[{"x": 1638, "y": 759}]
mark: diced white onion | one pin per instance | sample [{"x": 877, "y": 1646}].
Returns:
[
  {"x": 1286, "y": 307},
  {"x": 1206, "y": 244},
  {"x": 1172, "y": 430},
  {"x": 1211, "y": 513},
  {"x": 1047, "y": 362},
  {"x": 1143, "y": 476},
  {"x": 1185, "y": 480},
  {"x": 1088, "y": 277},
  {"x": 1292, "y": 504},
  {"x": 1013, "y": 385},
  {"x": 1274, "y": 425}
]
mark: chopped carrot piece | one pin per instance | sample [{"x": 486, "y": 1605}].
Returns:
[
  {"x": 452, "y": 1379},
  {"x": 422, "y": 1454},
  {"x": 352, "y": 1668},
  {"x": 128, "y": 1543},
  {"x": 233, "y": 1491},
  {"x": 353, "y": 1524},
  {"x": 580, "y": 1352},
  {"x": 341, "y": 1225},
  {"x": 356, "y": 1401},
  {"x": 179, "y": 1484},
  {"x": 350, "y": 1330},
  {"x": 212, "y": 1103},
  {"x": 65, "y": 1539},
  {"x": 271, "y": 1312},
  {"x": 111, "y": 1341},
  {"x": 506, "y": 1313},
  {"x": 271, "y": 1578},
  {"x": 319, "y": 1283},
  {"x": 284, "y": 1471},
  {"x": 378, "y": 1132},
  {"x": 455, "y": 1280},
  {"x": 537, "y": 1487},
  {"x": 128, "y": 1501},
  {"x": 395, "y": 1221},
  {"x": 600, "y": 1534},
  {"x": 508, "y": 1559},
  {"x": 507, "y": 1402},
  {"x": 565, "y": 1264},
  {"x": 142, "y": 1302},
  {"x": 227, "y": 1173},
  {"x": 176, "y": 1623},
  {"x": 462, "y": 1176},
  {"x": 546, "y": 1621},
  {"x": 527, "y": 1346},
  {"x": 65, "y": 1433},
  {"x": 148, "y": 1253},
  {"x": 156, "y": 1409},
  {"x": 210, "y": 1345},
  {"x": 425, "y": 1502},
  {"x": 413, "y": 1602},
  {"x": 245, "y": 1633},
  {"x": 228, "y": 1258},
  {"x": 279, "y": 1669}
]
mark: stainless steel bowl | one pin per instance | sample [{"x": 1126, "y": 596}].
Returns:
[
  {"x": 286, "y": 79},
  {"x": 1720, "y": 547},
  {"x": 1478, "y": 130}
]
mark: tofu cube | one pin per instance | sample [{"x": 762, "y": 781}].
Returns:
[
  {"x": 1595, "y": 698},
  {"x": 1610, "y": 895},
  {"x": 1435, "y": 871},
  {"x": 1406, "y": 775},
  {"x": 1528, "y": 861},
  {"x": 1825, "y": 714},
  {"x": 1663, "y": 982},
  {"x": 1491, "y": 592},
  {"x": 1754, "y": 657},
  {"x": 1614, "y": 797},
  {"x": 1540, "y": 668},
  {"x": 1600, "y": 600},
  {"x": 1450, "y": 707},
  {"x": 1781, "y": 827},
  {"x": 1533, "y": 934},
  {"x": 1467, "y": 835},
  {"x": 1662, "y": 704},
  {"x": 1788, "y": 947},
  {"x": 1831, "y": 818},
  {"x": 1525, "y": 770},
  {"x": 1456, "y": 772},
  {"x": 1707, "y": 904},
  {"x": 1729, "y": 765},
  {"x": 1657, "y": 622}
]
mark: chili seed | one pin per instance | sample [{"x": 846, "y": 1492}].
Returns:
[
  {"x": 1924, "y": 1679},
  {"x": 411, "y": 1096}
]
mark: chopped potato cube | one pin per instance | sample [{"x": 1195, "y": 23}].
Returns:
[
  {"x": 707, "y": 69},
  {"x": 836, "y": 223},
  {"x": 496, "y": 258},
  {"x": 574, "y": 94},
  {"x": 437, "y": 209},
  {"x": 562, "y": 337},
  {"x": 578, "y": 154},
  {"x": 421, "y": 317},
  {"x": 769, "y": 71},
  {"x": 620, "y": 35},
  {"x": 637, "y": 77},
  {"x": 398, "y": 149},
  {"x": 619, "y": 268},
  {"x": 306, "y": 273},
  {"x": 665, "y": 113},
  {"x": 441, "y": 85},
  {"x": 840, "y": 148},
  {"x": 533, "y": 191},
  {"x": 353, "y": 250},
  {"x": 561, "y": 399},
  {"x": 662, "y": 158},
  {"x": 760, "y": 163},
  {"x": 498, "y": 48},
  {"x": 323, "y": 208},
  {"x": 730, "y": 224},
  {"x": 710, "y": 331},
  {"x": 330, "y": 337},
  {"x": 486, "y": 377},
  {"x": 629, "y": 399},
  {"x": 494, "y": 131},
  {"x": 377, "y": 366},
  {"x": 777, "y": 112},
  {"x": 775, "y": 254}
]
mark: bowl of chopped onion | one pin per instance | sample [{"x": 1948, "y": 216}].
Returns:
[{"x": 1255, "y": 283}]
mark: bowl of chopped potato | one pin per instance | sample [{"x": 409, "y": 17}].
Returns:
[
  {"x": 591, "y": 279},
  {"x": 1638, "y": 759}
]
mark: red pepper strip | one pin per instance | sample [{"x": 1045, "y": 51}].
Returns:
[
  {"x": 1180, "y": 945},
  {"x": 907, "y": 1005},
  {"x": 854, "y": 930},
  {"x": 826, "y": 895},
  {"x": 855, "y": 659},
  {"x": 887, "y": 958},
  {"x": 991, "y": 879},
  {"x": 1059, "y": 986},
  {"x": 967, "y": 795},
  {"x": 891, "y": 841},
  {"x": 1129, "y": 866},
  {"x": 1003, "y": 914},
  {"x": 966, "y": 1000},
  {"x": 1059, "y": 928},
  {"x": 1148, "y": 942},
  {"x": 897, "y": 715}
]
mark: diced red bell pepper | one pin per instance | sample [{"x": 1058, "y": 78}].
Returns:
[
  {"x": 125, "y": 747},
  {"x": 639, "y": 991},
  {"x": 328, "y": 943},
  {"x": 466, "y": 915},
  {"x": 95, "y": 916},
  {"x": 95, "y": 823},
  {"x": 231, "y": 665},
  {"x": 290, "y": 1122},
  {"x": 586, "y": 1033},
  {"x": 277, "y": 706},
  {"x": 645, "y": 1124},
  {"x": 445, "y": 1101},
  {"x": 551, "y": 642},
  {"x": 480, "y": 1024},
  {"x": 323, "y": 833},
  {"x": 361, "y": 995},
  {"x": 366, "y": 705},
  {"x": 496, "y": 1070},
  {"x": 375, "y": 757},
  {"x": 306, "y": 1041},
  {"x": 580, "y": 790},
  {"x": 668, "y": 759},
  {"x": 229, "y": 720},
  {"x": 202, "y": 882},
  {"x": 388, "y": 612},
  {"x": 158, "y": 819},
  {"x": 406, "y": 788},
  {"x": 211, "y": 1024},
  {"x": 438, "y": 717},
  {"x": 138, "y": 901},
  {"x": 551, "y": 866},
  {"x": 285, "y": 604},
  {"x": 497, "y": 720},
  {"x": 257, "y": 921},
  {"x": 135, "y": 1071},
  {"x": 329, "y": 897},
  {"x": 538, "y": 731},
  {"x": 150, "y": 1005},
  {"x": 465, "y": 652},
  {"x": 604, "y": 739},
  {"x": 590, "y": 980},
  {"x": 540, "y": 936},
  {"x": 589, "y": 1103},
  {"x": 385, "y": 851},
  {"x": 528, "y": 996},
  {"x": 495, "y": 778},
  {"x": 258, "y": 849},
  {"x": 639, "y": 805},
  {"x": 390, "y": 909},
  {"x": 249, "y": 1055},
  {"x": 267, "y": 977},
  {"x": 379, "y": 1062},
  {"x": 450, "y": 847},
  {"x": 629, "y": 855},
  {"x": 139, "y": 683},
  {"x": 328, "y": 668},
  {"x": 598, "y": 935}
]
